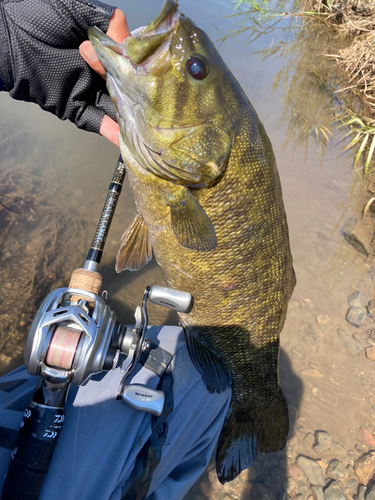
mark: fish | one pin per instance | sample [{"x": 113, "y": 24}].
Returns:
[{"x": 209, "y": 208}]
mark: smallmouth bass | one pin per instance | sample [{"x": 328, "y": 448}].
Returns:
[{"x": 203, "y": 175}]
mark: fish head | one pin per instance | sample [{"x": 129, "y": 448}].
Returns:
[{"x": 169, "y": 87}]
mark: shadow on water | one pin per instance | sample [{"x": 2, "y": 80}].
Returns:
[{"x": 266, "y": 478}]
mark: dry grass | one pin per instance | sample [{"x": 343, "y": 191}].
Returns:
[
  {"x": 351, "y": 17},
  {"x": 358, "y": 64},
  {"x": 355, "y": 21}
]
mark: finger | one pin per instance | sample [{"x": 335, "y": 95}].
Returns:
[
  {"x": 110, "y": 130},
  {"x": 88, "y": 53},
  {"x": 118, "y": 27}
]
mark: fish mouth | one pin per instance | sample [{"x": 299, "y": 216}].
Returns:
[
  {"x": 145, "y": 133},
  {"x": 146, "y": 50}
]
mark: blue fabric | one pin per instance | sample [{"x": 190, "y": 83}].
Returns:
[{"x": 101, "y": 438}]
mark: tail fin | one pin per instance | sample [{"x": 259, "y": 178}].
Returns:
[{"x": 245, "y": 434}]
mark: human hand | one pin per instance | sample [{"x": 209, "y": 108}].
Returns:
[
  {"x": 40, "y": 60},
  {"x": 118, "y": 31}
]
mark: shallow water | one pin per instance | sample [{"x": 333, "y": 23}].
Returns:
[{"x": 326, "y": 386}]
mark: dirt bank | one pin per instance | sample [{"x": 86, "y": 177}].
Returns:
[{"x": 354, "y": 20}]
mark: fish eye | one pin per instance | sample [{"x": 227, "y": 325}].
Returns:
[{"x": 198, "y": 67}]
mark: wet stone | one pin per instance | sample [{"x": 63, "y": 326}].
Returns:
[
  {"x": 357, "y": 235},
  {"x": 322, "y": 319},
  {"x": 265, "y": 493},
  {"x": 370, "y": 492},
  {"x": 370, "y": 336},
  {"x": 297, "y": 354},
  {"x": 303, "y": 489},
  {"x": 312, "y": 470},
  {"x": 370, "y": 353},
  {"x": 356, "y": 300},
  {"x": 334, "y": 492},
  {"x": 356, "y": 316},
  {"x": 269, "y": 482},
  {"x": 323, "y": 442},
  {"x": 309, "y": 441},
  {"x": 352, "y": 345},
  {"x": 351, "y": 485},
  {"x": 364, "y": 467},
  {"x": 317, "y": 492},
  {"x": 339, "y": 452},
  {"x": 335, "y": 470},
  {"x": 361, "y": 492},
  {"x": 277, "y": 476},
  {"x": 371, "y": 308},
  {"x": 285, "y": 496},
  {"x": 289, "y": 486}
]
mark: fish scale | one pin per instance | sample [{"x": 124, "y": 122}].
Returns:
[{"x": 214, "y": 216}]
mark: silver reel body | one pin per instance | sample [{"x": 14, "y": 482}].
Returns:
[{"x": 75, "y": 335}]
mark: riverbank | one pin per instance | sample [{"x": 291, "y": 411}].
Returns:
[
  {"x": 354, "y": 22},
  {"x": 330, "y": 49}
]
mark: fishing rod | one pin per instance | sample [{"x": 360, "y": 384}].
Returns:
[{"x": 75, "y": 335}]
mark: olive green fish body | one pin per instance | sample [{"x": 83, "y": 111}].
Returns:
[{"x": 204, "y": 178}]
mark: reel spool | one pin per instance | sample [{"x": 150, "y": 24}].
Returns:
[{"x": 62, "y": 348}]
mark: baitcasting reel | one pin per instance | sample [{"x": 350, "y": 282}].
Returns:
[{"x": 75, "y": 334}]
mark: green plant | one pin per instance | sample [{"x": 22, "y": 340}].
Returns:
[{"x": 363, "y": 130}]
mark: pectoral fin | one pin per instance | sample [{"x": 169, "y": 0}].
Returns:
[
  {"x": 135, "y": 250},
  {"x": 190, "y": 223}
]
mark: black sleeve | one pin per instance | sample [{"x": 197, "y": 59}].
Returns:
[{"x": 40, "y": 60}]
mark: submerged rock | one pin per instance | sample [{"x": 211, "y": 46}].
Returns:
[
  {"x": 370, "y": 353},
  {"x": 317, "y": 492},
  {"x": 371, "y": 308},
  {"x": 323, "y": 442},
  {"x": 352, "y": 345},
  {"x": 356, "y": 316},
  {"x": 358, "y": 235},
  {"x": 370, "y": 492},
  {"x": 364, "y": 467},
  {"x": 361, "y": 492},
  {"x": 263, "y": 492},
  {"x": 312, "y": 470},
  {"x": 334, "y": 492},
  {"x": 335, "y": 470},
  {"x": 351, "y": 486},
  {"x": 356, "y": 300}
]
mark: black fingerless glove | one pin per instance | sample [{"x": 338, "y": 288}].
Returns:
[{"x": 40, "y": 61}]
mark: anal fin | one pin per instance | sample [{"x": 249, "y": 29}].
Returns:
[
  {"x": 214, "y": 374},
  {"x": 135, "y": 250},
  {"x": 190, "y": 223}
]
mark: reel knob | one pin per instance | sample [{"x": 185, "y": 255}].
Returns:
[
  {"x": 173, "y": 299},
  {"x": 140, "y": 397}
]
